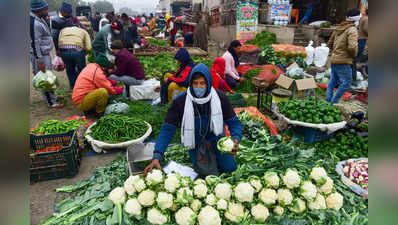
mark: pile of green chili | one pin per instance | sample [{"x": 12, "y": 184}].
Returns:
[
  {"x": 57, "y": 126},
  {"x": 116, "y": 128}
]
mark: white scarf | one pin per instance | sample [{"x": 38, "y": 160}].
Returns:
[
  {"x": 188, "y": 120},
  {"x": 354, "y": 19}
]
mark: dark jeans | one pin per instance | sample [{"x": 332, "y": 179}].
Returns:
[
  {"x": 307, "y": 15},
  {"x": 361, "y": 48},
  {"x": 342, "y": 76},
  {"x": 232, "y": 83},
  {"x": 172, "y": 40},
  {"x": 74, "y": 62}
]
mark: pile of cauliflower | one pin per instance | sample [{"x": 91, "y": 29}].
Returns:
[{"x": 169, "y": 198}]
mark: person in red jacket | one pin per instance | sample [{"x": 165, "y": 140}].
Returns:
[
  {"x": 175, "y": 84},
  {"x": 218, "y": 75},
  {"x": 128, "y": 68}
]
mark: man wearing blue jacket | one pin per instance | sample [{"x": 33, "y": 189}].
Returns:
[{"x": 201, "y": 112}]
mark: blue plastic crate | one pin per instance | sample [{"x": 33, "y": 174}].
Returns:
[{"x": 312, "y": 135}]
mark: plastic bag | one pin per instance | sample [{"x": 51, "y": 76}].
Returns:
[
  {"x": 117, "y": 108},
  {"x": 310, "y": 53},
  {"x": 45, "y": 81},
  {"x": 321, "y": 55},
  {"x": 57, "y": 64}
]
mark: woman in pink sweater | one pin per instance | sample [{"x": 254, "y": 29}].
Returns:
[{"x": 231, "y": 63}]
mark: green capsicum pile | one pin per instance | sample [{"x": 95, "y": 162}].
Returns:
[
  {"x": 57, "y": 126},
  {"x": 116, "y": 128},
  {"x": 310, "y": 110}
]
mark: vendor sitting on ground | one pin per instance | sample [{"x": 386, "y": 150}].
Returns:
[
  {"x": 92, "y": 88},
  {"x": 201, "y": 112},
  {"x": 177, "y": 83},
  {"x": 218, "y": 75},
  {"x": 231, "y": 63},
  {"x": 128, "y": 68}
]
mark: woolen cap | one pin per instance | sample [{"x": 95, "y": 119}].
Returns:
[
  {"x": 102, "y": 60},
  {"x": 36, "y": 5},
  {"x": 117, "y": 44},
  {"x": 66, "y": 7}
]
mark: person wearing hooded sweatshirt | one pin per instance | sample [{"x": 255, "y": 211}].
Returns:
[
  {"x": 41, "y": 45},
  {"x": 231, "y": 63},
  {"x": 174, "y": 84},
  {"x": 103, "y": 40},
  {"x": 218, "y": 75},
  {"x": 201, "y": 112},
  {"x": 92, "y": 87},
  {"x": 128, "y": 32},
  {"x": 344, "y": 49}
]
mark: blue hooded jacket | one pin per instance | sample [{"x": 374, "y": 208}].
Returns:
[{"x": 202, "y": 119}]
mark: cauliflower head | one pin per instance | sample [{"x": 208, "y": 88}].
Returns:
[
  {"x": 260, "y": 213},
  {"x": 268, "y": 196},
  {"x": 139, "y": 185},
  {"x": 184, "y": 195},
  {"x": 199, "y": 181},
  {"x": 196, "y": 205},
  {"x": 308, "y": 190},
  {"x": 278, "y": 210},
  {"x": 256, "y": 183},
  {"x": 154, "y": 177},
  {"x": 117, "y": 195},
  {"x": 271, "y": 180},
  {"x": 200, "y": 190},
  {"x": 186, "y": 181},
  {"x": 244, "y": 192},
  {"x": 172, "y": 182},
  {"x": 209, "y": 216},
  {"x": 211, "y": 200},
  {"x": 285, "y": 197},
  {"x": 129, "y": 185},
  {"x": 185, "y": 216},
  {"x": 154, "y": 216},
  {"x": 335, "y": 201},
  {"x": 318, "y": 203},
  {"x": 147, "y": 198},
  {"x": 133, "y": 207},
  {"x": 319, "y": 175},
  {"x": 223, "y": 191},
  {"x": 291, "y": 179},
  {"x": 235, "y": 212},
  {"x": 225, "y": 144},
  {"x": 164, "y": 200},
  {"x": 327, "y": 187},
  {"x": 298, "y": 206},
  {"x": 222, "y": 204}
]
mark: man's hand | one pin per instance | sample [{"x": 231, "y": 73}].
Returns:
[
  {"x": 58, "y": 53},
  {"x": 155, "y": 164},
  {"x": 241, "y": 79},
  {"x": 165, "y": 80},
  {"x": 42, "y": 67},
  {"x": 236, "y": 148},
  {"x": 232, "y": 92}
]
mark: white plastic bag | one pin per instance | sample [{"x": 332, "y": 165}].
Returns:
[
  {"x": 45, "y": 81},
  {"x": 145, "y": 91},
  {"x": 57, "y": 64},
  {"x": 321, "y": 55},
  {"x": 310, "y": 53}
]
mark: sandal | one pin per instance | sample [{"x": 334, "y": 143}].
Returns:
[
  {"x": 57, "y": 106},
  {"x": 60, "y": 97}
]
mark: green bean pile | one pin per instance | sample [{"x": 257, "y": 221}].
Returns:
[{"x": 116, "y": 128}]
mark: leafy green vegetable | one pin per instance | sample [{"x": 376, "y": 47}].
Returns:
[
  {"x": 158, "y": 42},
  {"x": 247, "y": 86},
  {"x": 263, "y": 39}
]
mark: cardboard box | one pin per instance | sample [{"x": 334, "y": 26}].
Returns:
[{"x": 298, "y": 87}]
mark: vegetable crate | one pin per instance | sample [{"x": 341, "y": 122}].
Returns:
[
  {"x": 237, "y": 100},
  {"x": 54, "y": 156},
  {"x": 312, "y": 135}
]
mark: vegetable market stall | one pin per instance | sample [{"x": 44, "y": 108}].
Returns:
[
  {"x": 275, "y": 183},
  {"x": 154, "y": 50}
]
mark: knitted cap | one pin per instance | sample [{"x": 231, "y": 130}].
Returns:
[
  {"x": 102, "y": 60},
  {"x": 117, "y": 44},
  {"x": 36, "y": 5},
  {"x": 66, "y": 7}
]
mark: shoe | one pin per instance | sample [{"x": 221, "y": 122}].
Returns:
[{"x": 57, "y": 106}]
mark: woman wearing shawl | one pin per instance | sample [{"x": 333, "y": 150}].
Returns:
[
  {"x": 177, "y": 83},
  {"x": 231, "y": 63},
  {"x": 218, "y": 75},
  {"x": 201, "y": 112}
]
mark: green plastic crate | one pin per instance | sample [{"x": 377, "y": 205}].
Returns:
[
  {"x": 62, "y": 163},
  {"x": 237, "y": 100}
]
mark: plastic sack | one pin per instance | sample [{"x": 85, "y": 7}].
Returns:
[
  {"x": 294, "y": 71},
  {"x": 310, "y": 53},
  {"x": 45, "y": 81},
  {"x": 57, "y": 64},
  {"x": 321, "y": 55},
  {"x": 119, "y": 107},
  {"x": 270, "y": 73},
  {"x": 145, "y": 91}
]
